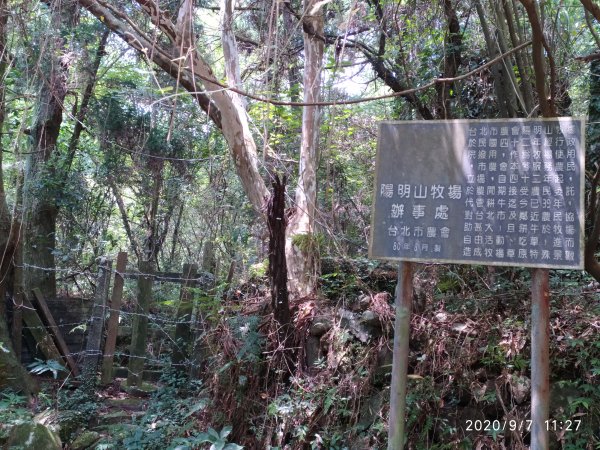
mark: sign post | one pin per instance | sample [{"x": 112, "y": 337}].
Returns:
[
  {"x": 540, "y": 359},
  {"x": 403, "y": 303},
  {"x": 505, "y": 192}
]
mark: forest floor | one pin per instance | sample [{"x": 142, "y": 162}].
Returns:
[{"x": 468, "y": 371}]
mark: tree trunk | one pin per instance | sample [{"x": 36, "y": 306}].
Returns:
[
  {"x": 191, "y": 72},
  {"x": 592, "y": 7},
  {"x": 539, "y": 54},
  {"x": 452, "y": 60},
  {"x": 516, "y": 98},
  {"x": 42, "y": 171},
  {"x": 501, "y": 82},
  {"x": 593, "y": 141},
  {"x": 301, "y": 245},
  {"x": 278, "y": 273},
  {"x": 521, "y": 63},
  {"x": 277, "y": 262},
  {"x": 12, "y": 373},
  {"x": 139, "y": 327}
]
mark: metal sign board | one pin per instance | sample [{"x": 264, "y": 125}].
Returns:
[{"x": 495, "y": 192}]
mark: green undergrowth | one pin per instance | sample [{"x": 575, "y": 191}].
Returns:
[{"x": 469, "y": 372}]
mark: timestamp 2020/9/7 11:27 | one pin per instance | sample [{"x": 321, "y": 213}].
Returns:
[{"x": 518, "y": 425}]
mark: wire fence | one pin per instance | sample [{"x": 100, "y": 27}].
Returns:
[{"x": 163, "y": 320}]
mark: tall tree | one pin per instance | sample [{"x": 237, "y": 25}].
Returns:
[
  {"x": 182, "y": 59},
  {"x": 302, "y": 246},
  {"x": 12, "y": 373},
  {"x": 42, "y": 168}
]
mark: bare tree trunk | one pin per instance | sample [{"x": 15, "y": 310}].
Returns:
[
  {"x": 278, "y": 269},
  {"x": 277, "y": 261},
  {"x": 175, "y": 235},
  {"x": 520, "y": 60},
  {"x": 85, "y": 100},
  {"x": 452, "y": 59},
  {"x": 507, "y": 63},
  {"x": 301, "y": 249},
  {"x": 500, "y": 80},
  {"x": 540, "y": 47},
  {"x": 123, "y": 211},
  {"x": 8, "y": 241}
]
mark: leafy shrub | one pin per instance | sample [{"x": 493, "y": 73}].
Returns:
[{"x": 39, "y": 367}]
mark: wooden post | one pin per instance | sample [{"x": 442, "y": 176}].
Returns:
[
  {"x": 96, "y": 327},
  {"x": 139, "y": 331},
  {"x": 38, "y": 330},
  {"x": 183, "y": 329},
  {"x": 113, "y": 319},
  {"x": 17, "y": 324},
  {"x": 54, "y": 330},
  {"x": 404, "y": 295},
  {"x": 540, "y": 358}
]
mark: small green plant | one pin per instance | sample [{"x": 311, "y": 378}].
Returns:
[
  {"x": 219, "y": 440},
  {"x": 259, "y": 270},
  {"x": 309, "y": 243},
  {"x": 245, "y": 329},
  {"x": 169, "y": 421},
  {"x": 39, "y": 367},
  {"x": 13, "y": 410},
  {"x": 75, "y": 408}
]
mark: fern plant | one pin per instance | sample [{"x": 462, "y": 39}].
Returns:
[{"x": 39, "y": 367}]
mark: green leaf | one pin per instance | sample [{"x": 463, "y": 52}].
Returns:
[
  {"x": 197, "y": 407},
  {"x": 226, "y": 431},
  {"x": 217, "y": 445},
  {"x": 233, "y": 447},
  {"x": 213, "y": 435}
]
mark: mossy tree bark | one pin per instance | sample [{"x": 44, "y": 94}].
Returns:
[
  {"x": 12, "y": 374},
  {"x": 593, "y": 162},
  {"x": 43, "y": 167},
  {"x": 139, "y": 332}
]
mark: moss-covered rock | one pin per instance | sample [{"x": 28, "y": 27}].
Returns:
[
  {"x": 85, "y": 440},
  {"x": 27, "y": 436}
]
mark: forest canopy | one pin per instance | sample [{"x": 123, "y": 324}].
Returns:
[{"x": 180, "y": 132}]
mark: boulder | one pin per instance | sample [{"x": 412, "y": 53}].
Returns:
[
  {"x": 312, "y": 350},
  {"x": 320, "y": 325},
  {"x": 32, "y": 435},
  {"x": 85, "y": 440}
]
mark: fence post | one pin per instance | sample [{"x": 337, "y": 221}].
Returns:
[
  {"x": 94, "y": 339},
  {"x": 59, "y": 340},
  {"x": 183, "y": 329},
  {"x": 40, "y": 334},
  {"x": 113, "y": 319},
  {"x": 17, "y": 324},
  {"x": 139, "y": 331}
]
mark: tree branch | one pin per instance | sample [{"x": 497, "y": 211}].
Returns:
[
  {"x": 592, "y": 8},
  {"x": 590, "y": 25},
  {"x": 149, "y": 49},
  {"x": 539, "y": 44},
  {"x": 379, "y": 97}
]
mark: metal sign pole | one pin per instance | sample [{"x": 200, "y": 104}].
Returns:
[
  {"x": 540, "y": 359},
  {"x": 404, "y": 294}
]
